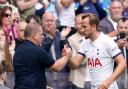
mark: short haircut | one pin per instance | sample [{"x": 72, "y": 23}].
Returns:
[
  {"x": 31, "y": 28},
  {"x": 112, "y": 1},
  {"x": 123, "y": 19},
  {"x": 28, "y": 19},
  {"x": 2, "y": 67},
  {"x": 93, "y": 19},
  {"x": 2, "y": 12},
  {"x": 79, "y": 15},
  {"x": 116, "y": 0}
]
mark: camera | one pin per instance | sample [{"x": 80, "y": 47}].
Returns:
[{"x": 122, "y": 35}]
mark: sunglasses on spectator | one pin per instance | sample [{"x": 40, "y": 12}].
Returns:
[{"x": 7, "y": 15}]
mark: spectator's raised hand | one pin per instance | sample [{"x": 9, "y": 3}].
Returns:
[{"x": 65, "y": 32}]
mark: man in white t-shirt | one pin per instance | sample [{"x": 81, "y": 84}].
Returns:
[{"x": 101, "y": 52}]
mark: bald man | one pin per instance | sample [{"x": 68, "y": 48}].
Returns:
[
  {"x": 20, "y": 31},
  {"x": 109, "y": 24},
  {"x": 55, "y": 41}
]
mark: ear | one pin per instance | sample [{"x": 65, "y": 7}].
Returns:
[
  {"x": 94, "y": 26},
  {"x": 34, "y": 36}
]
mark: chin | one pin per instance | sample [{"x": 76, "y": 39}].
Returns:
[{"x": 86, "y": 36}]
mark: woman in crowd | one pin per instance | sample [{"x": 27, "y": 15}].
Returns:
[
  {"x": 5, "y": 55},
  {"x": 8, "y": 25}
]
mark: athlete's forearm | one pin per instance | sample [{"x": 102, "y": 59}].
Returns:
[{"x": 121, "y": 65}]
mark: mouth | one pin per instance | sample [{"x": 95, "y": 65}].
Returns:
[{"x": 84, "y": 34}]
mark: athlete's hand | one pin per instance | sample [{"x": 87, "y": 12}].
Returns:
[{"x": 105, "y": 84}]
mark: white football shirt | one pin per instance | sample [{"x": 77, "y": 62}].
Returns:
[{"x": 100, "y": 54}]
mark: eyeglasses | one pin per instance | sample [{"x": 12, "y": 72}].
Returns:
[
  {"x": 21, "y": 30},
  {"x": 7, "y": 15}
]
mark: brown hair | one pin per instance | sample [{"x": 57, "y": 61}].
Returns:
[
  {"x": 2, "y": 67},
  {"x": 7, "y": 55},
  {"x": 2, "y": 12},
  {"x": 93, "y": 19},
  {"x": 31, "y": 28}
]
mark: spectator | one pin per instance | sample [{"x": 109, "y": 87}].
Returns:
[
  {"x": 105, "y": 5},
  {"x": 122, "y": 29},
  {"x": 32, "y": 19},
  {"x": 66, "y": 15},
  {"x": 109, "y": 24},
  {"x": 40, "y": 8},
  {"x": 6, "y": 56},
  {"x": 26, "y": 7},
  {"x": 122, "y": 42},
  {"x": 125, "y": 4},
  {"x": 15, "y": 12},
  {"x": 91, "y": 6},
  {"x": 20, "y": 31},
  {"x": 55, "y": 40},
  {"x": 79, "y": 77},
  {"x": 30, "y": 60},
  {"x": 5, "y": 22},
  {"x": 51, "y": 7}
]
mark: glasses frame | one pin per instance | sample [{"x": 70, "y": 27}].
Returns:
[{"x": 7, "y": 15}]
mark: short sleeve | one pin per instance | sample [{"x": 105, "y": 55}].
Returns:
[
  {"x": 45, "y": 59},
  {"x": 82, "y": 49},
  {"x": 113, "y": 48}
]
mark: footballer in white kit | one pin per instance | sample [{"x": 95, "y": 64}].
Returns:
[{"x": 100, "y": 54}]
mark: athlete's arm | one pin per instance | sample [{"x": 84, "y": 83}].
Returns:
[
  {"x": 121, "y": 65},
  {"x": 76, "y": 61}
]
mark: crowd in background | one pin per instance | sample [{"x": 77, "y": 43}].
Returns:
[{"x": 61, "y": 23}]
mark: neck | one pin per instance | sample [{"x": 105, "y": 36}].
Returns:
[
  {"x": 31, "y": 41},
  {"x": 95, "y": 35}
]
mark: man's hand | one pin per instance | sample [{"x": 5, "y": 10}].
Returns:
[
  {"x": 65, "y": 32},
  {"x": 66, "y": 51},
  {"x": 105, "y": 85}
]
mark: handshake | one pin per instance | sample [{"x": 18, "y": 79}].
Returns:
[{"x": 66, "y": 51}]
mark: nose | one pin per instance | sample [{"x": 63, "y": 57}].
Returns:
[
  {"x": 43, "y": 36},
  {"x": 9, "y": 17},
  {"x": 82, "y": 30}
]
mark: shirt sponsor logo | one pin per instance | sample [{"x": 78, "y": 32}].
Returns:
[{"x": 94, "y": 62}]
